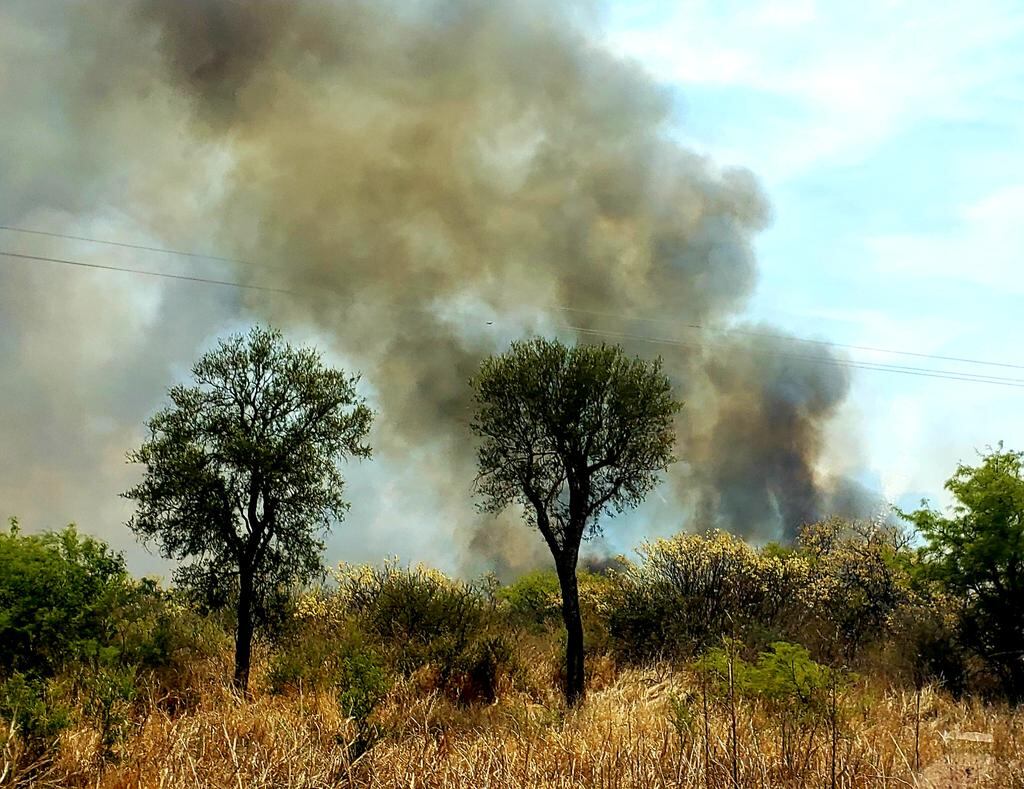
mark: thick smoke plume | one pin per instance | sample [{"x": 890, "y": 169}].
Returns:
[{"x": 430, "y": 180}]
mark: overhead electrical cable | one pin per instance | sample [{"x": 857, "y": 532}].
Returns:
[
  {"x": 161, "y": 274},
  {"x": 566, "y": 308},
  {"x": 818, "y": 359}
]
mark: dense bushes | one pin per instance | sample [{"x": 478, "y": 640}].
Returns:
[
  {"x": 533, "y": 600},
  {"x": 85, "y": 644},
  {"x": 81, "y": 641},
  {"x": 416, "y": 618},
  {"x": 688, "y": 591},
  {"x": 58, "y": 592},
  {"x": 842, "y": 590}
]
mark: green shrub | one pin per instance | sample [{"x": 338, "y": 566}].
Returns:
[
  {"x": 533, "y": 600},
  {"x": 362, "y": 682},
  {"x": 308, "y": 662},
  {"x": 157, "y": 629},
  {"x": 33, "y": 708},
  {"x": 418, "y": 617},
  {"x": 801, "y": 694},
  {"x": 416, "y": 607},
  {"x": 106, "y": 697},
  {"x": 58, "y": 595}
]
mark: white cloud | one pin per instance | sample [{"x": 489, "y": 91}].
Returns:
[{"x": 859, "y": 74}]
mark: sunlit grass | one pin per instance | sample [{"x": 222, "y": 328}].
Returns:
[{"x": 623, "y": 736}]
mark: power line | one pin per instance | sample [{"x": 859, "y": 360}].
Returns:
[
  {"x": 854, "y": 364},
  {"x": 161, "y": 274},
  {"x": 790, "y": 338},
  {"x": 123, "y": 244},
  {"x": 952, "y": 375},
  {"x": 563, "y": 307}
]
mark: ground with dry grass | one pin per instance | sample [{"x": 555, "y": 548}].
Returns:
[{"x": 629, "y": 733}]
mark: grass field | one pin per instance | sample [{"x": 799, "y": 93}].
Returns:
[{"x": 632, "y": 732}]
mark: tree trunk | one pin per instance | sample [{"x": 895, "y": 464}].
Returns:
[
  {"x": 244, "y": 632},
  {"x": 574, "y": 674}
]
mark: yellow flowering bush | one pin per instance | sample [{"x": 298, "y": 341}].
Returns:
[
  {"x": 687, "y": 591},
  {"x": 854, "y": 586}
]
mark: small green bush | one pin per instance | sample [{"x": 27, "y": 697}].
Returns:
[
  {"x": 106, "y": 697},
  {"x": 37, "y": 713},
  {"x": 533, "y": 600},
  {"x": 417, "y": 617},
  {"x": 363, "y": 683}
]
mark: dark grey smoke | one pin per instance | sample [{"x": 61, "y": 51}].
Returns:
[{"x": 434, "y": 178}]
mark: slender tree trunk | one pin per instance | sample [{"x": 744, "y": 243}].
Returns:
[
  {"x": 244, "y": 632},
  {"x": 575, "y": 680}
]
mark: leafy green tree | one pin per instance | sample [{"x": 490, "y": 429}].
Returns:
[
  {"x": 977, "y": 552},
  {"x": 570, "y": 434},
  {"x": 57, "y": 593},
  {"x": 241, "y": 472}
]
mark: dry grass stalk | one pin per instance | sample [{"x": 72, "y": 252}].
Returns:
[{"x": 622, "y": 737}]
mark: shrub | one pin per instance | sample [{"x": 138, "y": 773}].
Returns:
[
  {"x": 419, "y": 617},
  {"x": 34, "y": 711},
  {"x": 688, "y": 591},
  {"x": 853, "y": 587},
  {"x": 362, "y": 682},
  {"x": 927, "y": 646},
  {"x": 106, "y": 699},
  {"x": 533, "y": 600},
  {"x": 799, "y": 692},
  {"x": 58, "y": 594}
]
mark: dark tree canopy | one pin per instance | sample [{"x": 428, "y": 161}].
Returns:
[
  {"x": 241, "y": 471},
  {"x": 977, "y": 553},
  {"x": 570, "y": 433}
]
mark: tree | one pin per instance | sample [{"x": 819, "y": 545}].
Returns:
[
  {"x": 58, "y": 595},
  {"x": 570, "y": 434},
  {"x": 241, "y": 472},
  {"x": 978, "y": 554}
]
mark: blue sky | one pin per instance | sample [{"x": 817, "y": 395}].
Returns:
[{"x": 887, "y": 136}]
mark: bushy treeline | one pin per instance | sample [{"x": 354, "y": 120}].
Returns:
[{"x": 82, "y": 641}]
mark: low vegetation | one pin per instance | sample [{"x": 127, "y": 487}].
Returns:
[{"x": 712, "y": 663}]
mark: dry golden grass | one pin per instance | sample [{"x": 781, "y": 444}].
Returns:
[{"x": 622, "y": 737}]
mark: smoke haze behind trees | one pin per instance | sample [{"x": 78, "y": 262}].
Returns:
[{"x": 430, "y": 180}]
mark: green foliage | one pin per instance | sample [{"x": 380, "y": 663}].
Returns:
[
  {"x": 158, "y": 631},
  {"x": 681, "y": 713},
  {"x": 419, "y": 618},
  {"x": 107, "y": 695},
  {"x": 555, "y": 421},
  {"x": 855, "y": 581},
  {"x": 241, "y": 472},
  {"x": 37, "y": 714},
  {"x": 533, "y": 599},
  {"x": 724, "y": 671},
  {"x": 363, "y": 683},
  {"x": 977, "y": 554},
  {"x": 59, "y": 592},
  {"x": 840, "y": 588},
  {"x": 787, "y": 676},
  {"x": 570, "y": 434},
  {"x": 800, "y": 693},
  {"x": 426, "y": 615}
]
